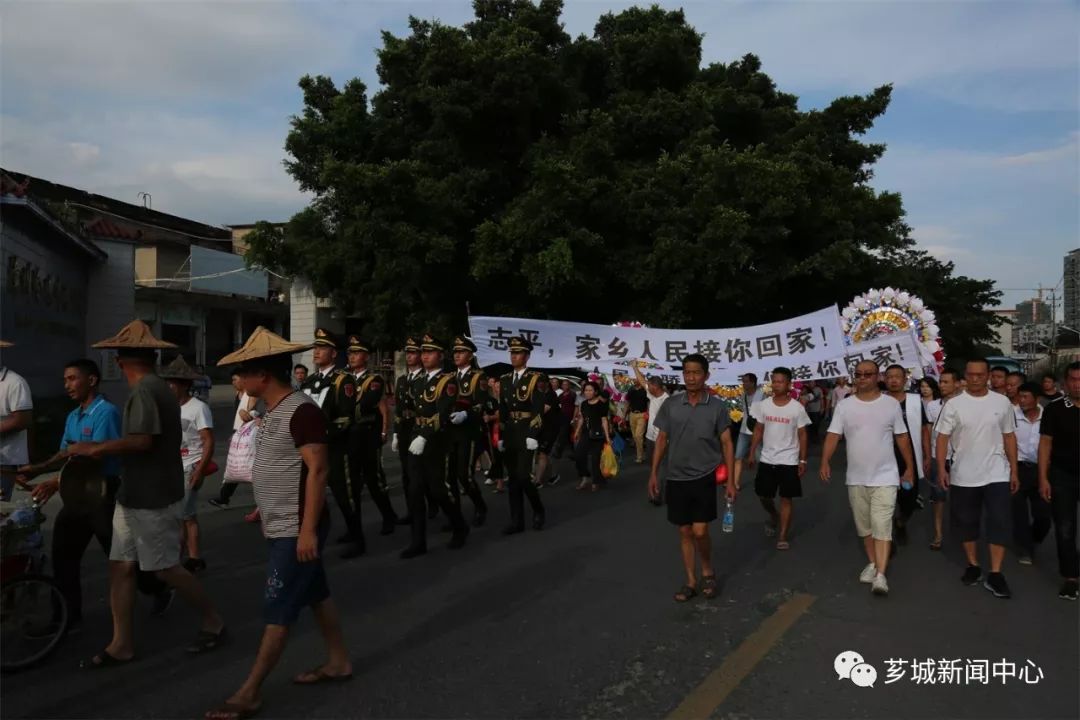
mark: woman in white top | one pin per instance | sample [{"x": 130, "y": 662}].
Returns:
[{"x": 931, "y": 398}]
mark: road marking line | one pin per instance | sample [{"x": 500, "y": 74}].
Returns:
[{"x": 717, "y": 685}]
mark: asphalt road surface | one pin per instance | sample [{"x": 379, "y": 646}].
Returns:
[{"x": 578, "y": 621}]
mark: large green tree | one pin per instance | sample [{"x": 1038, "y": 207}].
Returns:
[{"x": 508, "y": 165}]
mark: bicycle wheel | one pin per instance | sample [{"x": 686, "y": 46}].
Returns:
[{"x": 33, "y": 620}]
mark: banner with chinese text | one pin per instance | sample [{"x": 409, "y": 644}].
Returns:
[{"x": 814, "y": 343}]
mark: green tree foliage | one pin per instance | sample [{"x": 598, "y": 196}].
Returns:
[{"x": 597, "y": 178}]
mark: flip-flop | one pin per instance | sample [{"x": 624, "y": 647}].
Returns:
[
  {"x": 685, "y": 594},
  {"x": 319, "y": 676},
  {"x": 936, "y": 545},
  {"x": 708, "y": 586},
  {"x": 783, "y": 545},
  {"x": 232, "y": 711},
  {"x": 103, "y": 660},
  {"x": 207, "y": 641}
]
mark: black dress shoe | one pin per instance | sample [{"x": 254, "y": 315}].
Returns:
[
  {"x": 407, "y": 520},
  {"x": 353, "y": 551},
  {"x": 388, "y": 527},
  {"x": 512, "y": 529},
  {"x": 538, "y": 522},
  {"x": 479, "y": 518},
  {"x": 458, "y": 541},
  {"x": 411, "y": 552}
]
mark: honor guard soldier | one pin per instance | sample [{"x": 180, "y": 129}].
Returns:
[
  {"x": 335, "y": 392},
  {"x": 368, "y": 435},
  {"x": 522, "y": 393},
  {"x": 429, "y": 446},
  {"x": 405, "y": 416},
  {"x": 467, "y": 427}
]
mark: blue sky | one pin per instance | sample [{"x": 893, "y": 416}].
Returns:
[{"x": 190, "y": 102}]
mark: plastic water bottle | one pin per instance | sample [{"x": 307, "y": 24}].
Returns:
[{"x": 729, "y": 517}]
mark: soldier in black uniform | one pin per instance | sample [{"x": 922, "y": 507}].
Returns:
[
  {"x": 522, "y": 393},
  {"x": 335, "y": 392},
  {"x": 467, "y": 427},
  {"x": 405, "y": 416},
  {"x": 368, "y": 435},
  {"x": 429, "y": 445}
]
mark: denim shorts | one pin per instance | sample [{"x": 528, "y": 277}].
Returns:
[{"x": 292, "y": 585}]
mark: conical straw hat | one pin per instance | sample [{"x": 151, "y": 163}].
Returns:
[
  {"x": 178, "y": 369},
  {"x": 135, "y": 335},
  {"x": 263, "y": 343}
]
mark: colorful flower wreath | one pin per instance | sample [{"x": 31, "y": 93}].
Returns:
[{"x": 877, "y": 313}]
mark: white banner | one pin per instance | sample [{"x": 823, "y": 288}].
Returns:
[{"x": 812, "y": 342}]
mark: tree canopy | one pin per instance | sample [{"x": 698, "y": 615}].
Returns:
[{"x": 511, "y": 166}]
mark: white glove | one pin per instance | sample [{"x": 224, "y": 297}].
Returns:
[
  {"x": 502, "y": 445},
  {"x": 416, "y": 447},
  {"x": 459, "y": 417},
  {"x": 531, "y": 444},
  {"x": 393, "y": 443}
]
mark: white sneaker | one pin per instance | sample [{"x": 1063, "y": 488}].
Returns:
[
  {"x": 489, "y": 481},
  {"x": 868, "y": 574},
  {"x": 880, "y": 586}
]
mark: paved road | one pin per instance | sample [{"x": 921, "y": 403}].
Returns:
[{"x": 577, "y": 621}]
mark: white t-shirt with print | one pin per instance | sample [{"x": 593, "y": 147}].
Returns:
[
  {"x": 194, "y": 416},
  {"x": 780, "y": 434},
  {"x": 14, "y": 397},
  {"x": 868, "y": 428},
  {"x": 976, "y": 427}
]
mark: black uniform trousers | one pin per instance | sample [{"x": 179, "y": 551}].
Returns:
[
  {"x": 1031, "y": 514},
  {"x": 405, "y": 435},
  {"x": 427, "y": 483},
  {"x": 464, "y": 448},
  {"x": 365, "y": 465},
  {"x": 338, "y": 480},
  {"x": 72, "y": 533},
  {"x": 519, "y": 461}
]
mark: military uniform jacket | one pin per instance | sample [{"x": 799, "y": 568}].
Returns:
[
  {"x": 404, "y": 402},
  {"x": 435, "y": 400},
  {"x": 370, "y": 389},
  {"x": 335, "y": 393},
  {"x": 472, "y": 397},
  {"x": 521, "y": 404}
]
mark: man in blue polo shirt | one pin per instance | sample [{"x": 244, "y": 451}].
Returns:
[{"x": 94, "y": 420}]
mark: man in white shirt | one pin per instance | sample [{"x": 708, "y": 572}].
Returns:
[
  {"x": 1031, "y": 513},
  {"x": 196, "y": 452},
  {"x": 16, "y": 412},
  {"x": 780, "y": 430},
  {"x": 918, "y": 426},
  {"x": 950, "y": 388},
  {"x": 981, "y": 426},
  {"x": 868, "y": 421},
  {"x": 751, "y": 394}
]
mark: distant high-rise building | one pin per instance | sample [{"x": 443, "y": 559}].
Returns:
[
  {"x": 1031, "y": 312},
  {"x": 1072, "y": 290}
]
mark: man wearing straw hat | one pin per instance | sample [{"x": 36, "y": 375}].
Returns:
[
  {"x": 146, "y": 522},
  {"x": 197, "y": 451},
  {"x": 289, "y": 478}
]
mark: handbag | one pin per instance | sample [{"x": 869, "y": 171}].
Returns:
[{"x": 241, "y": 457}]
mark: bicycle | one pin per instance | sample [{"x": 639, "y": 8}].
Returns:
[{"x": 33, "y": 612}]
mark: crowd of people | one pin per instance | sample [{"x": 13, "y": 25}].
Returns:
[{"x": 1001, "y": 453}]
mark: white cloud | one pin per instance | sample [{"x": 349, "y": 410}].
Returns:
[{"x": 84, "y": 153}]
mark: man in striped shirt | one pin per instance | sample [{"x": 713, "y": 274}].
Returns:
[{"x": 289, "y": 479}]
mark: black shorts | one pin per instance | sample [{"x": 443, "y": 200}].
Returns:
[
  {"x": 784, "y": 478},
  {"x": 691, "y": 501},
  {"x": 967, "y": 506},
  {"x": 549, "y": 433}
]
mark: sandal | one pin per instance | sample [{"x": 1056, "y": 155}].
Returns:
[
  {"x": 232, "y": 711},
  {"x": 319, "y": 676},
  {"x": 783, "y": 545},
  {"x": 103, "y": 660},
  {"x": 709, "y": 586},
  {"x": 206, "y": 641},
  {"x": 935, "y": 545},
  {"x": 685, "y": 593}
]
